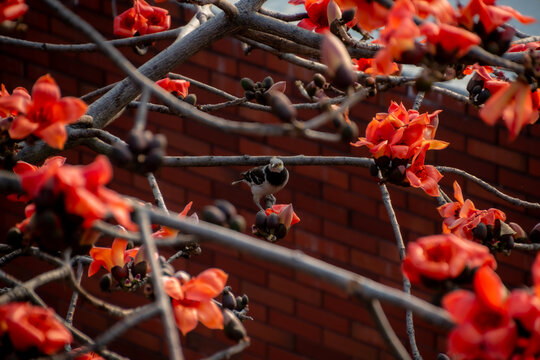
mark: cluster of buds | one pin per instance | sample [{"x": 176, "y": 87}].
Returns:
[
  {"x": 223, "y": 213},
  {"x": 267, "y": 92},
  {"x": 144, "y": 151},
  {"x": 273, "y": 223},
  {"x": 496, "y": 41},
  {"x": 128, "y": 277},
  {"x": 500, "y": 236},
  {"x": 231, "y": 305}
]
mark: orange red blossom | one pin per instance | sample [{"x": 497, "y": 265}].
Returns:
[
  {"x": 45, "y": 114},
  {"x": 192, "y": 299},
  {"x": 141, "y": 19}
]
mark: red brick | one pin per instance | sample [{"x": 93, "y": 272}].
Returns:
[
  {"x": 350, "y": 347},
  {"x": 277, "y": 353},
  {"x": 497, "y": 155},
  {"x": 268, "y": 297},
  {"x": 534, "y": 166},
  {"x": 368, "y": 187},
  {"x": 294, "y": 290},
  {"x": 318, "y": 351},
  {"x": 306, "y": 240},
  {"x": 349, "y": 200},
  {"x": 362, "y": 332},
  {"x": 376, "y": 265},
  {"x": 241, "y": 269},
  {"x": 325, "y": 174},
  {"x": 456, "y": 139},
  {"x": 323, "y": 318},
  {"x": 353, "y": 238},
  {"x": 321, "y": 208},
  {"x": 522, "y": 184},
  {"x": 296, "y": 326},
  {"x": 270, "y": 334},
  {"x": 183, "y": 178}
]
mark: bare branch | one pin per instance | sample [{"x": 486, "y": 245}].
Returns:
[{"x": 386, "y": 331}]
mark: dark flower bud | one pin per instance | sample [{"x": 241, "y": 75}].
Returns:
[
  {"x": 228, "y": 209},
  {"x": 423, "y": 82},
  {"x": 345, "y": 76},
  {"x": 153, "y": 160},
  {"x": 477, "y": 89},
  {"x": 238, "y": 223},
  {"x": 130, "y": 245},
  {"x": 191, "y": 99},
  {"x": 520, "y": 235},
  {"x": 245, "y": 300},
  {"x": 159, "y": 141},
  {"x": 311, "y": 89},
  {"x": 281, "y": 106},
  {"x": 383, "y": 162},
  {"x": 349, "y": 131},
  {"x": 14, "y": 237},
  {"x": 260, "y": 220},
  {"x": 272, "y": 221},
  {"x": 105, "y": 283},
  {"x": 250, "y": 95},
  {"x": 348, "y": 15},
  {"x": 214, "y": 215},
  {"x": 475, "y": 81},
  {"x": 267, "y": 82},
  {"x": 148, "y": 291},
  {"x": 136, "y": 141},
  {"x": 120, "y": 154},
  {"x": 239, "y": 303},
  {"x": 232, "y": 326},
  {"x": 481, "y": 97},
  {"x": 319, "y": 80},
  {"x": 480, "y": 232},
  {"x": 228, "y": 300},
  {"x": 338, "y": 121},
  {"x": 281, "y": 231},
  {"x": 442, "y": 356},
  {"x": 119, "y": 272},
  {"x": 140, "y": 269},
  {"x": 534, "y": 235},
  {"x": 247, "y": 84}
]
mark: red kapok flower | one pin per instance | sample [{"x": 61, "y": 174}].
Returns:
[
  {"x": 83, "y": 188},
  {"x": 141, "y": 19},
  {"x": 168, "y": 232},
  {"x": 490, "y": 15},
  {"x": 370, "y": 15},
  {"x": 12, "y": 9},
  {"x": 461, "y": 217},
  {"x": 442, "y": 257},
  {"x": 45, "y": 115},
  {"x": 441, "y": 10},
  {"x": 514, "y": 102},
  {"x": 398, "y": 35},
  {"x": 451, "y": 39},
  {"x": 180, "y": 87},
  {"x": 285, "y": 213},
  {"x": 116, "y": 255},
  {"x": 192, "y": 300},
  {"x": 366, "y": 65},
  {"x": 535, "y": 45},
  {"x": 424, "y": 176},
  {"x": 32, "y": 326},
  {"x": 400, "y": 133},
  {"x": 485, "y": 329},
  {"x": 9, "y": 104}
]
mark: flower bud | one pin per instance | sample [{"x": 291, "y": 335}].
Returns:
[
  {"x": 333, "y": 11},
  {"x": 260, "y": 220},
  {"x": 280, "y": 86},
  {"x": 480, "y": 231},
  {"x": 105, "y": 283},
  {"x": 272, "y": 221},
  {"x": 137, "y": 141},
  {"x": 334, "y": 54},
  {"x": 191, "y": 99},
  {"x": 247, "y": 84},
  {"x": 119, "y": 272},
  {"x": 534, "y": 235},
  {"x": 349, "y": 131},
  {"x": 520, "y": 235},
  {"x": 319, "y": 80},
  {"x": 281, "y": 106},
  {"x": 214, "y": 215},
  {"x": 228, "y": 300},
  {"x": 268, "y": 82},
  {"x": 348, "y": 15},
  {"x": 238, "y": 223},
  {"x": 228, "y": 209},
  {"x": 345, "y": 76},
  {"x": 232, "y": 326}
]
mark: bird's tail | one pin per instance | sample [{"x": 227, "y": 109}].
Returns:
[{"x": 237, "y": 182}]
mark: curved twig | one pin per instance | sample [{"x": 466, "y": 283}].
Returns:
[{"x": 386, "y": 331}]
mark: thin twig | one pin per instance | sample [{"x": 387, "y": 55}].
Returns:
[
  {"x": 11, "y": 256},
  {"x": 406, "y": 283},
  {"x": 162, "y": 300},
  {"x": 75, "y": 296},
  {"x": 489, "y": 188},
  {"x": 283, "y": 17},
  {"x": 418, "y": 100},
  {"x": 157, "y": 193},
  {"x": 386, "y": 331}
]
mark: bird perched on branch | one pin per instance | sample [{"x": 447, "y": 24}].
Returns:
[{"x": 266, "y": 180}]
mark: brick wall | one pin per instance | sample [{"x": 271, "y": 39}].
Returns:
[{"x": 343, "y": 219}]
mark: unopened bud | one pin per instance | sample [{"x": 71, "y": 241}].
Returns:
[
  {"x": 228, "y": 300},
  {"x": 105, "y": 283},
  {"x": 191, "y": 99},
  {"x": 280, "y": 86},
  {"x": 345, "y": 76},
  {"x": 334, "y": 55},
  {"x": 319, "y": 80},
  {"x": 520, "y": 234},
  {"x": 247, "y": 84},
  {"x": 349, "y": 131},
  {"x": 268, "y": 82},
  {"x": 260, "y": 220},
  {"x": 232, "y": 326},
  {"x": 281, "y": 106},
  {"x": 534, "y": 235},
  {"x": 348, "y": 15},
  {"x": 119, "y": 272},
  {"x": 333, "y": 11}
]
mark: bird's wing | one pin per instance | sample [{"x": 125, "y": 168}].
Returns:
[{"x": 254, "y": 176}]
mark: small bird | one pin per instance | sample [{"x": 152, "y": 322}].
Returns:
[{"x": 265, "y": 180}]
